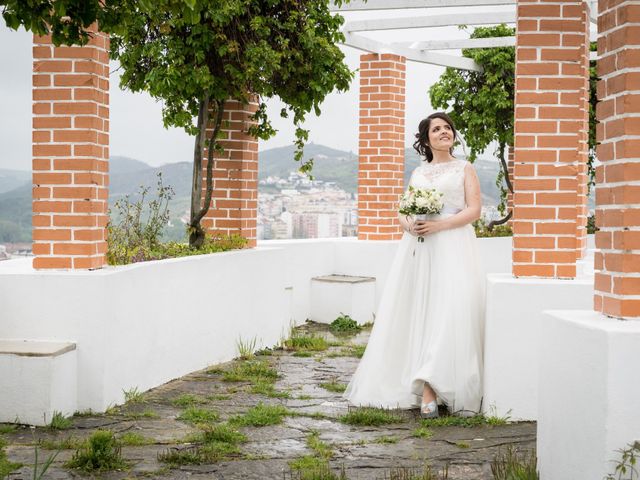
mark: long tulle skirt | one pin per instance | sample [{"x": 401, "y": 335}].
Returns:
[{"x": 429, "y": 327}]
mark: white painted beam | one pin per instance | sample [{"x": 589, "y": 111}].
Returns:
[
  {"x": 373, "y": 46},
  {"x": 430, "y": 21},
  {"x": 359, "y": 5},
  {"x": 459, "y": 44}
]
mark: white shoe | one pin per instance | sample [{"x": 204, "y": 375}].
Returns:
[{"x": 429, "y": 409}]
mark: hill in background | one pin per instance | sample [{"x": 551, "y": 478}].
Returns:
[{"x": 127, "y": 175}]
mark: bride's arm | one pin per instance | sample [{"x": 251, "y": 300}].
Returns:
[{"x": 473, "y": 199}]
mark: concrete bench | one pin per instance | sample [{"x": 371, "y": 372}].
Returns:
[
  {"x": 37, "y": 378},
  {"x": 332, "y": 295}
]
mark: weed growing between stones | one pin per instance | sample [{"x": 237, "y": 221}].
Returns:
[
  {"x": 195, "y": 415},
  {"x": 8, "y": 428},
  {"x": 101, "y": 452},
  {"x": 146, "y": 413},
  {"x": 334, "y": 386},
  {"x": 134, "y": 439},
  {"x": 59, "y": 422},
  {"x": 372, "y": 417},
  {"x": 299, "y": 341},
  {"x": 246, "y": 348},
  {"x": 133, "y": 396},
  {"x": 386, "y": 440},
  {"x": 344, "y": 325},
  {"x": 454, "y": 421},
  {"x": 426, "y": 473},
  {"x": 215, "y": 443},
  {"x": 268, "y": 389},
  {"x": 6, "y": 466},
  {"x": 511, "y": 463},
  {"x": 260, "y": 416},
  {"x": 250, "y": 371},
  {"x": 349, "y": 350},
  {"x": 68, "y": 443},
  {"x": 313, "y": 468},
  {"x": 175, "y": 457},
  {"x": 422, "y": 432},
  {"x": 188, "y": 400},
  {"x": 320, "y": 448}
]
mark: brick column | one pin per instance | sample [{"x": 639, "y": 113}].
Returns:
[
  {"x": 617, "y": 261},
  {"x": 510, "y": 162},
  {"x": 550, "y": 138},
  {"x": 234, "y": 203},
  {"x": 70, "y": 153},
  {"x": 381, "y": 146}
]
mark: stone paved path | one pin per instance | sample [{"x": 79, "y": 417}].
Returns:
[{"x": 313, "y": 414}]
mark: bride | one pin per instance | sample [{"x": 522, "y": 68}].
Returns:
[{"x": 426, "y": 344}]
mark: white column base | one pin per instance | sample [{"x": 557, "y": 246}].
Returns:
[
  {"x": 514, "y": 311},
  {"x": 37, "y": 379},
  {"x": 589, "y": 384},
  {"x": 333, "y": 295}
]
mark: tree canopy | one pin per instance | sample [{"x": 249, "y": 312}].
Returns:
[{"x": 194, "y": 55}]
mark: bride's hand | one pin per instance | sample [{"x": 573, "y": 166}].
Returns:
[{"x": 422, "y": 228}]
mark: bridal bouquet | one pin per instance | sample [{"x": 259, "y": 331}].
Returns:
[{"x": 420, "y": 202}]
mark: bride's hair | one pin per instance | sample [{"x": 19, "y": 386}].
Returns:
[{"x": 422, "y": 137}]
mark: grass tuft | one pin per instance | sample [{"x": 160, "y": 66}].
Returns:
[
  {"x": 386, "y": 439},
  {"x": 59, "y": 422},
  {"x": 195, "y": 415},
  {"x": 134, "y": 439},
  {"x": 68, "y": 443},
  {"x": 101, "y": 452},
  {"x": 300, "y": 341},
  {"x": 246, "y": 348},
  {"x": 422, "y": 432},
  {"x": 176, "y": 457},
  {"x": 261, "y": 415},
  {"x": 455, "y": 421},
  {"x": 313, "y": 468},
  {"x": 6, "y": 467},
  {"x": 133, "y": 396},
  {"x": 334, "y": 386},
  {"x": 188, "y": 400},
  {"x": 426, "y": 473},
  {"x": 269, "y": 390},
  {"x": 8, "y": 428},
  {"x": 373, "y": 417},
  {"x": 512, "y": 464},
  {"x": 250, "y": 371}
]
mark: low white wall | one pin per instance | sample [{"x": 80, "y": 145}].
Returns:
[
  {"x": 589, "y": 390},
  {"x": 144, "y": 324}
]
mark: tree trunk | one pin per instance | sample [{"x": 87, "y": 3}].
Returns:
[
  {"x": 505, "y": 170},
  {"x": 199, "y": 208}
]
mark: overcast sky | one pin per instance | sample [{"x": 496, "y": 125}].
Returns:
[{"x": 136, "y": 123}]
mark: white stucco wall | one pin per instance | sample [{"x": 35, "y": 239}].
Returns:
[{"x": 144, "y": 324}]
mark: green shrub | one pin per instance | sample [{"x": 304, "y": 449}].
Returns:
[
  {"x": 102, "y": 451},
  {"x": 134, "y": 232},
  {"x": 482, "y": 230},
  {"x": 344, "y": 324}
]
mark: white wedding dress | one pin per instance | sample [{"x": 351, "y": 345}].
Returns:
[{"x": 429, "y": 326}]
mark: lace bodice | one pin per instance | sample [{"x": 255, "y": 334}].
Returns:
[{"x": 447, "y": 178}]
